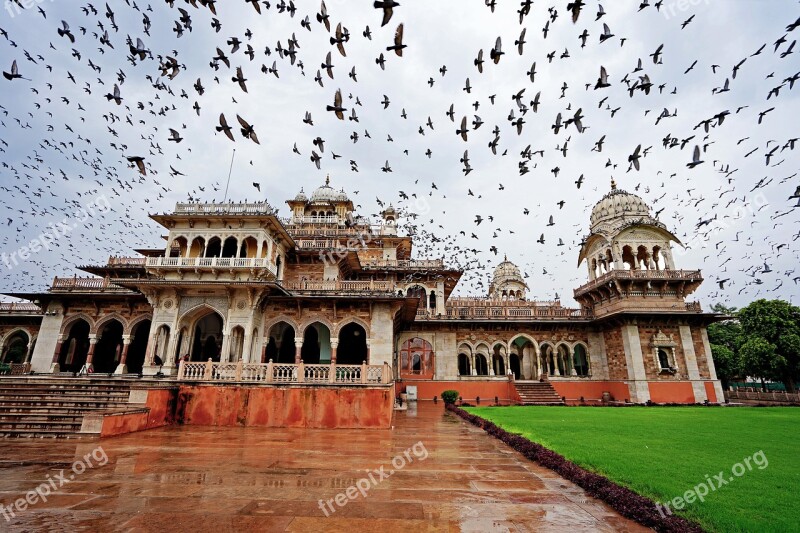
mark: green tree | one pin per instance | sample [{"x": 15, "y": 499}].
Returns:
[
  {"x": 725, "y": 338},
  {"x": 771, "y": 348}
]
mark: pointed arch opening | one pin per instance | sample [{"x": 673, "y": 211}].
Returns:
[
  {"x": 352, "y": 348},
  {"x": 207, "y": 338},
  {"x": 15, "y": 348},
  {"x": 280, "y": 346},
  {"x": 75, "y": 347}
]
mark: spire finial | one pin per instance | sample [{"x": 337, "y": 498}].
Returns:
[
  {"x": 505, "y": 257},
  {"x": 328, "y": 180},
  {"x": 613, "y": 185}
]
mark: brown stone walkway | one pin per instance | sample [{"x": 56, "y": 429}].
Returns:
[{"x": 231, "y": 479}]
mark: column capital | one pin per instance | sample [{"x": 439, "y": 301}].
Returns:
[
  {"x": 127, "y": 339},
  {"x": 334, "y": 343},
  {"x": 298, "y": 343},
  {"x": 93, "y": 338}
]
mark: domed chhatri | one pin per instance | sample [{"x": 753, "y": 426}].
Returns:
[
  {"x": 618, "y": 204},
  {"x": 301, "y": 197},
  {"x": 507, "y": 282}
]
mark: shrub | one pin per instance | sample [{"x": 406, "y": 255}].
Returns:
[{"x": 449, "y": 397}]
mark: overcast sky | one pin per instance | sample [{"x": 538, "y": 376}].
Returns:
[{"x": 755, "y": 224}]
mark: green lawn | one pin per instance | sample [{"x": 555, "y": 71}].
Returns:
[{"x": 664, "y": 452}]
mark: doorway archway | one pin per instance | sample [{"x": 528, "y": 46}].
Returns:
[
  {"x": 108, "y": 350},
  {"x": 207, "y": 338},
  {"x": 75, "y": 347},
  {"x": 352, "y": 348}
]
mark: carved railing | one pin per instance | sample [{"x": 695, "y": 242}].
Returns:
[
  {"x": 463, "y": 308},
  {"x": 14, "y": 369},
  {"x": 126, "y": 261},
  {"x": 404, "y": 264},
  {"x": 340, "y": 286},
  {"x": 279, "y": 373},
  {"x": 677, "y": 275},
  {"x": 212, "y": 262},
  {"x": 232, "y": 208},
  {"x": 19, "y": 308}
]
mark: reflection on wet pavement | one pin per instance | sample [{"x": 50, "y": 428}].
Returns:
[{"x": 201, "y": 479}]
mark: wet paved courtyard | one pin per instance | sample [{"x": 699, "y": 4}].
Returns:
[{"x": 446, "y": 475}]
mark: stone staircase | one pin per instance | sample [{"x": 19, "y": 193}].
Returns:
[
  {"x": 54, "y": 407},
  {"x": 537, "y": 393}
]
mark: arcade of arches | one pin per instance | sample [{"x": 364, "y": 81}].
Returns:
[{"x": 524, "y": 360}]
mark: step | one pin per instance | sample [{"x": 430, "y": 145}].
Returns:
[
  {"x": 72, "y": 427},
  {"x": 61, "y": 392},
  {"x": 44, "y": 433},
  {"x": 49, "y": 404}
]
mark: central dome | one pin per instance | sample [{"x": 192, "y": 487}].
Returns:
[
  {"x": 327, "y": 194},
  {"x": 617, "y": 204}
]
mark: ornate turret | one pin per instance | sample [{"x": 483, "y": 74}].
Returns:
[
  {"x": 629, "y": 255},
  {"x": 507, "y": 282}
]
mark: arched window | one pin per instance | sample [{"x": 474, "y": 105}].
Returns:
[
  {"x": 416, "y": 357},
  {"x": 481, "y": 367},
  {"x": 663, "y": 359},
  {"x": 627, "y": 258},
  {"x": 463, "y": 365},
  {"x": 579, "y": 360}
]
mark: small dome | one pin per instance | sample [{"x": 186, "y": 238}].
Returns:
[
  {"x": 617, "y": 204},
  {"x": 301, "y": 197},
  {"x": 507, "y": 271}
]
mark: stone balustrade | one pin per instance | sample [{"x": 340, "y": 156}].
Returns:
[
  {"x": 212, "y": 262},
  {"x": 404, "y": 264},
  {"x": 340, "y": 286},
  {"x": 228, "y": 208},
  {"x": 280, "y": 373},
  {"x": 672, "y": 275},
  {"x": 476, "y": 308}
]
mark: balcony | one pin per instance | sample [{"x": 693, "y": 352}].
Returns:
[
  {"x": 229, "y": 208},
  {"x": 276, "y": 373},
  {"x": 211, "y": 263},
  {"x": 487, "y": 309},
  {"x": 340, "y": 286},
  {"x": 410, "y": 264},
  {"x": 643, "y": 275},
  {"x": 308, "y": 219}
]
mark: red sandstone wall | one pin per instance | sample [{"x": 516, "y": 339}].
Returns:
[
  {"x": 671, "y": 392},
  {"x": 469, "y": 390},
  {"x": 615, "y": 350},
  {"x": 161, "y": 404},
  {"x": 711, "y": 393},
  {"x": 592, "y": 390},
  {"x": 313, "y": 407},
  {"x": 700, "y": 352}
]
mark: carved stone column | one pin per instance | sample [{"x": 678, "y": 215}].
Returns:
[{"x": 122, "y": 367}]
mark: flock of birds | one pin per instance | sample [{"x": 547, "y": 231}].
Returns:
[{"x": 104, "y": 112}]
